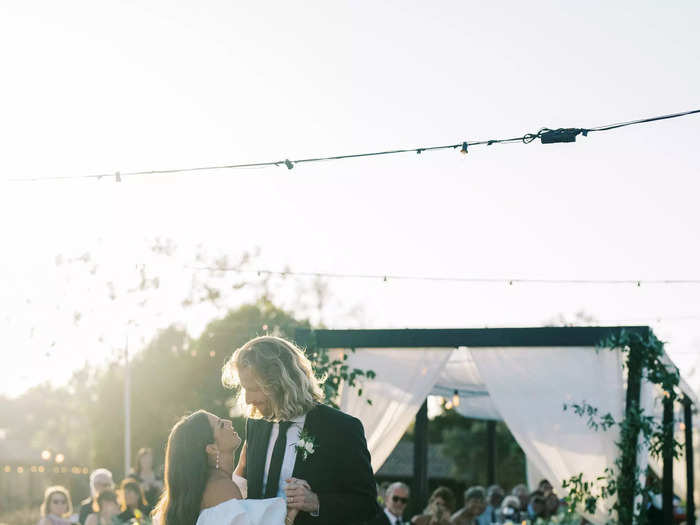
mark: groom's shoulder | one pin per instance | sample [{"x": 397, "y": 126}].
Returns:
[{"x": 336, "y": 416}]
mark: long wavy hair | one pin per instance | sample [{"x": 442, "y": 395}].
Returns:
[
  {"x": 186, "y": 470},
  {"x": 284, "y": 374}
]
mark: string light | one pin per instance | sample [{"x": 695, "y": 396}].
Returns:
[
  {"x": 474, "y": 280},
  {"x": 59, "y": 458},
  {"x": 455, "y": 399},
  {"x": 546, "y": 136}
]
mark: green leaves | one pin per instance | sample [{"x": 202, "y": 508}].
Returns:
[
  {"x": 333, "y": 372},
  {"x": 637, "y": 424}
]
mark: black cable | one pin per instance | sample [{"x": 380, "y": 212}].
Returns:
[{"x": 546, "y": 136}]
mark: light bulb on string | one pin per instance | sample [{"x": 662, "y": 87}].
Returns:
[{"x": 455, "y": 399}]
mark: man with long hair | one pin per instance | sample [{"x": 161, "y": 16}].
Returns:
[{"x": 296, "y": 447}]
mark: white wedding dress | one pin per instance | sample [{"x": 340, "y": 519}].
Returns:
[{"x": 245, "y": 511}]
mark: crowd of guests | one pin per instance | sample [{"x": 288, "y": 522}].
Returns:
[
  {"x": 108, "y": 504},
  {"x": 481, "y": 506}
]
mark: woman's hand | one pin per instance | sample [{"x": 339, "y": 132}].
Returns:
[{"x": 291, "y": 516}]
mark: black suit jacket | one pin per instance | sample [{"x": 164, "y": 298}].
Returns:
[
  {"x": 339, "y": 471},
  {"x": 380, "y": 519}
]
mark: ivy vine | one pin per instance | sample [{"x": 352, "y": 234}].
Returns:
[
  {"x": 643, "y": 354},
  {"x": 333, "y": 371}
]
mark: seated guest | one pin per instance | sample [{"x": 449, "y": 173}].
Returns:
[
  {"x": 545, "y": 486},
  {"x": 510, "y": 510},
  {"x": 134, "y": 503},
  {"x": 494, "y": 498},
  {"x": 56, "y": 507},
  {"x": 106, "y": 507},
  {"x": 144, "y": 473},
  {"x": 440, "y": 505},
  {"x": 474, "y": 505},
  {"x": 523, "y": 494},
  {"x": 536, "y": 506},
  {"x": 100, "y": 479},
  {"x": 395, "y": 499},
  {"x": 551, "y": 504}
]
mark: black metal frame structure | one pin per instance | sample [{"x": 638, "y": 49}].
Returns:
[{"x": 502, "y": 337}]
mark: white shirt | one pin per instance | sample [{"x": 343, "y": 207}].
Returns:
[
  {"x": 290, "y": 454},
  {"x": 392, "y": 519}
]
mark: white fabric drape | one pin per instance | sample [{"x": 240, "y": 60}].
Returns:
[
  {"x": 460, "y": 374},
  {"x": 529, "y": 387},
  {"x": 404, "y": 379}
]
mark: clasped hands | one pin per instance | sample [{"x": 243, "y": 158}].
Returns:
[{"x": 300, "y": 496}]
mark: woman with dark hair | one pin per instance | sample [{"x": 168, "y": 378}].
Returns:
[
  {"x": 133, "y": 500},
  {"x": 106, "y": 507},
  {"x": 198, "y": 478},
  {"x": 441, "y": 505}
]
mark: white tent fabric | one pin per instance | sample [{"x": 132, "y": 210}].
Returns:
[
  {"x": 461, "y": 375},
  {"x": 524, "y": 386},
  {"x": 529, "y": 387},
  {"x": 404, "y": 379}
]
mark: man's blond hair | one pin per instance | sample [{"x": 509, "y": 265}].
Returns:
[{"x": 283, "y": 372}]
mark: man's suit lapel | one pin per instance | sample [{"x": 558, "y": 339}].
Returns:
[
  {"x": 257, "y": 444},
  {"x": 310, "y": 429}
]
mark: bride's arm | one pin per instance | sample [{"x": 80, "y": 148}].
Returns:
[{"x": 240, "y": 468}]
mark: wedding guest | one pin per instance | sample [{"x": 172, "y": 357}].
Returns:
[
  {"x": 494, "y": 498},
  {"x": 106, "y": 507},
  {"x": 523, "y": 494},
  {"x": 545, "y": 486},
  {"x": 510, "y": 510},
  {"x": 381, "y": 492},
  {"x": 536, "y": 505},
  {"x": 151, "y": 484},
  {"x": 474, "y": 505},
  {"x": 56, "y": 507},
  {"x": 551, "y": 504},
  {"x": 100, "y": 479},
  {"x": 440, "y": 505},
  {"x": 396, "y": 497},
  {"x": 133, "y": 500}
]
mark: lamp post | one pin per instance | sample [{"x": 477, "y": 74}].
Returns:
[{"x": 127, "y": 407}]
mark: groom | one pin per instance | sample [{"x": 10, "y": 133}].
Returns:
[{"x": 313, "y": 455}]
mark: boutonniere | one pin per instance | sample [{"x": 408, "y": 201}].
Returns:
[{"x": 306, "y": 445}]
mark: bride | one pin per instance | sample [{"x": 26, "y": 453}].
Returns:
[{"x": 199, "y": 489}]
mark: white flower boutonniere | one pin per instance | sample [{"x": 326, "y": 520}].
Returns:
[{"x": 306, "y": 445}]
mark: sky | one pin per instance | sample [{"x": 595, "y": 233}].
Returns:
[{"x": 101, "y": 87}]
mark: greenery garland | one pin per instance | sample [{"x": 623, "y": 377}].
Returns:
[{"x": 643, "y": 355}]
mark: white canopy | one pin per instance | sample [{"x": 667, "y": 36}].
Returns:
[{"x": 526, "y": 387}]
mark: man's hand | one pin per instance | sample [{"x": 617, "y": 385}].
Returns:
[{"x": 300, "y": 496}]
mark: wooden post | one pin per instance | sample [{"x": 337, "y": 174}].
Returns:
[
  {"x": 491, "y": 452},
  {"x": 667, "y": 493},
  {"x": 689, "y": 465},
  {"x": 629, "y": 457},
  {"x": 420, "y": 456}
]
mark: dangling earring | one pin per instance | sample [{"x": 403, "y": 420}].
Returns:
[{"x": 217, "y": 460}]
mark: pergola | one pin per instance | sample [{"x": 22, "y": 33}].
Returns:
[{"x": 580, "y": 341}]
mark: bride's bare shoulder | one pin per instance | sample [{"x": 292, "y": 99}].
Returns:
[{"x": 219, "y": 490}]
